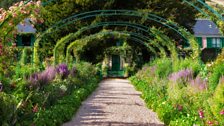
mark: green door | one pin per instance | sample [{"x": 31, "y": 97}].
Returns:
[{"x": 115, "y": 63}]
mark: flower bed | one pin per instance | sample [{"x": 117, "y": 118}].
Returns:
[
  {"x": 182, "y": 96},
  {"x": 48, "y": 97}
]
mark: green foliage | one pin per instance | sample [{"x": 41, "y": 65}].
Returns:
[
  {"x": 65, "y": 108},
  {"x": 36, "y": 60},
  {"x": 190, "y": 63},
  {"x": 181, "y": 102},
  {"x": 162, "y": 67},
  {"x": 86, "y": 70},
  {"x": 7, "y": 109},
  {"x": 24, "y": 71},
  {"x": 24, "y": 59},
  {"x": 217, "y": 72},
  {"x": 217, "y": 102}
]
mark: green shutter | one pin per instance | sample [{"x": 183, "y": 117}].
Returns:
[
  {"x": 32, "y": 40},
  {"x": 222, "y": 42},
  {"x": 19, "y": 40},
  {"x": 209, "y": 42},
  {"x": 199, "y": 40}
]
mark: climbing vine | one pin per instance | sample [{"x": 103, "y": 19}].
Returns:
[{"x": 80, "y": 43}]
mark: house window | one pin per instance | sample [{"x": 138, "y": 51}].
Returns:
[
  {"x": 26, "y": 40},
  {"x": 216, "y": 42}
]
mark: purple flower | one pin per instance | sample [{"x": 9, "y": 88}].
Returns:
[
  {"x": 62, "y": 69},
  {"x": 43, "y": 78},
  {"x": 47, "y": 75},
  {"x": 183, "y": 75},
  {"x": 199, "y": 83}
]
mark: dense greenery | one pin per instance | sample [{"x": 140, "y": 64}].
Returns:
[
  {"x": 59, "y": 10},
  {"x": 39, "y": 89},
  {"x": 41, "y": 97},
  {"x": 188, "y": 93}
]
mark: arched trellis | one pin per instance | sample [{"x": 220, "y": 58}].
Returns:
[
  {"x": 85, "y": 15},
  {"x": 85, "y": 40},
  {"x": 71, "y": 36},
  {"x": 107, "y": 13},
  {"x": 133, "y": 37},
  {"x": 152, "y": 17},
  {"x": 189, "y": 2}
]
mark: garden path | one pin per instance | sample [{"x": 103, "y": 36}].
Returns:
[{"x": 114, "y": 103}]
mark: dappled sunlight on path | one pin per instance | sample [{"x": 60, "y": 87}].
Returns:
[{"x": 114, "y": 103}]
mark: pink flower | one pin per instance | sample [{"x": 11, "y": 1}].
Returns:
[
  {"x": 222, "y": 112},
  {"x": 210, "y": 123},
  {"x": 201, "y": 114}
]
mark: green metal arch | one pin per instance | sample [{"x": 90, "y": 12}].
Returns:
[
  {"x": 189, "y": 2},
  {"x": 134, "y": 37},
  {"x": 146, "y": 39},
  {"x": 95, "y": 13},
  {"x": 139, "y": 37},
  {"x": 76, "y": 34}
]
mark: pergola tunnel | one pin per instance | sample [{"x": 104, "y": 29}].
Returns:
[{"x": 55, "y": 53}]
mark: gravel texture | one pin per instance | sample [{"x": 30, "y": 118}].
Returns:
[{"x": 114, "y": 103}]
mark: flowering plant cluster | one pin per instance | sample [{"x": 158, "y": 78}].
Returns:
[
  {"x": 184, "y": 97},
  {"x": 40, "y": 79}
]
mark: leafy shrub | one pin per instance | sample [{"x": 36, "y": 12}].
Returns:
[
  {"x": 217, "y": 72},
  {"x": 217, "y": 102},
  {"x": 188, "y": 63},
  {"x": 180, "y": 98},
  {"x": 24, "y": 72},
  {"x": 163, "y": 67},
  {"x": 85, "y": 70},
  {"x": 65, "y": 108},
  {"x": 7, "y": 109}
]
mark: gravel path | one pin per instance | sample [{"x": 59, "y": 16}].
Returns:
[{"x": 114, "y": 103}]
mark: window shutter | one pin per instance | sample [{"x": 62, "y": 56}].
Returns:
[
  {"x": 209, "y": 42},
  {"x": 19, "y": 40},
  {"x": 199, "y": 40},
  {"x": 32, "y": 40},
  {"x": 222, "y": 42}
]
